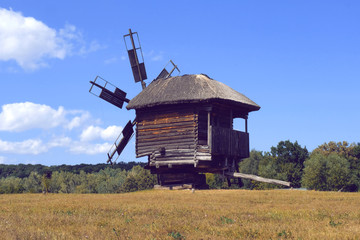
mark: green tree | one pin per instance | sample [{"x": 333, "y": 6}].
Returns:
[
  {"x": 214, "y": 181},
  {"x": 66, "y": 182},
  {"x": 11, "y": 185},
  {"x": 130, "y": 184},
  {"x": 138, "y": 178},
  {"x": 343, "y": 149},
  {"x": 290, "y": 158},
  {"x": 87, "y": 183},
  {"x": 46, "y": 181},
  {"x": 144, "y": 179},
  {"x": 32, "y": 184},
  {"x": 351, "y": 152},
  {"x": 327, "y": 173},
  {"x": 110, "y": 180}
]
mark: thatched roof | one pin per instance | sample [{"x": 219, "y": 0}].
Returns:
[{"x": 189, "y": 89}]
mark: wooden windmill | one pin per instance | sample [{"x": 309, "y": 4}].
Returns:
[{"x": 184, "y": 124}]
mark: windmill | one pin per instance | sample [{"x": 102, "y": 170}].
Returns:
[
  {"x": 110, "y": 93},
  {"x": 184, "y": 124}
]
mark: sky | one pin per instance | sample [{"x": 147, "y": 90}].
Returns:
[{"x": 298, "y": 60}]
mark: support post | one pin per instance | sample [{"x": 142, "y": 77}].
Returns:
[
  {"x": 209, "y": 129},
  {"x": 246, "y": 124}
]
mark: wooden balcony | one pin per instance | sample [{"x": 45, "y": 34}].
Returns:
[{"x": 229, "y": 142}]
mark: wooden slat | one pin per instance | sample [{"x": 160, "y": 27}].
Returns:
[
  {"x": 149, "y": 150},
  {"x": 203, "y": 158},
  {"x": 167, "y": 159},
  {"x": 161, "y": 120},
  {"x": 169, "y": 150},
  {"x": 146, "y": 115},
  {"x": 180, "y": 162},
  {"x": 159, "y": 131},
  {"x": 174, "y": 142},
  {"x": 184, "y": 154},
  {"x": 168, "y": 144},
  {"x": 165, "y": 125},
  {"x": 173, "y": 151},
  {"x": 202, "y": 154},
  {"x": 177, "y": 137}
]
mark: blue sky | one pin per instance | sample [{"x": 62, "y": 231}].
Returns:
[{"x": 299, "y": 60}]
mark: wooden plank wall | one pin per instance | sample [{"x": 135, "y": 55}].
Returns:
[
  {"x": 229, "y": 142},
  {"x": 239, "y": 145},
  {"x": 174, "y": 132}
]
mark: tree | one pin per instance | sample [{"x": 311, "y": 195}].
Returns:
[
  {"x": 11, "y": 185},
  {"x": 351, "y": 152},
  {"x": 214, "y": 181},
  {"x": 110, "y": 180},
  {"x": 130, "y": 184},
  {"x": 46, "y": 181},
  {"x": 32, "y": 184},
  {"x": 343, "y": 149},
  {"x": 138, "y": 178},
  {"x": 290, "y": 158},
  {"x": 327, "y": 173}
]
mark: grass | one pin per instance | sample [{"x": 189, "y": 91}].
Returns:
[{"x": 207, "y": 214}]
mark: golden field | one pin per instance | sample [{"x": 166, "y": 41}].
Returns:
[{"x": 181, "y": 214}]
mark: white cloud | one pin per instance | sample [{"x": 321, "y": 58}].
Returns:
[
  {"x": 60, "y": 142},
  {"x": 77, "y": 120},
  {"x": 30, "y": 146},
  {"x": 30, "y": 42},
  {"x": 27, "y": 40},
  {"x": 37, "y": 146},
  {"x": 90, "y": 149},
  {"x": 2, "y": 160},
  {"x": 93, "y": 132},
  {"x": 17, "y": 117},
  {"x": 93, "y": 47}
]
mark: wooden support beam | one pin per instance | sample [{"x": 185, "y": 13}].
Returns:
[
  {"x": 257, "y": 178},
  {"x": 246, "y": 125},
  {"x": 209, "y": 128}
]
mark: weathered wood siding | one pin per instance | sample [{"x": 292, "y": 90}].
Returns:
[
  {"x": 166, "y": 136},
  {"x": 225, "y": 141}
]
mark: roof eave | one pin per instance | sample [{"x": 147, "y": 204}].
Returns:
[{"x": 247, "y": 107}]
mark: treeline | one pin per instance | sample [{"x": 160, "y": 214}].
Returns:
[
  {"x": 330, "y": 167},
  {"x": 108, "y": 180},
  {"x": 24, "y": 170}
]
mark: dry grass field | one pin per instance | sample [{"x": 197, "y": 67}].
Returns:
[{"x": 181, "y": 214}]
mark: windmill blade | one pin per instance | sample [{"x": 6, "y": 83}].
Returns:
[
  {"x": 101, "y": 88},
  {"x": 137, "y": 65},
  {"x": 165, "y": 73},
  {"x": 121, "y": 143}
]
